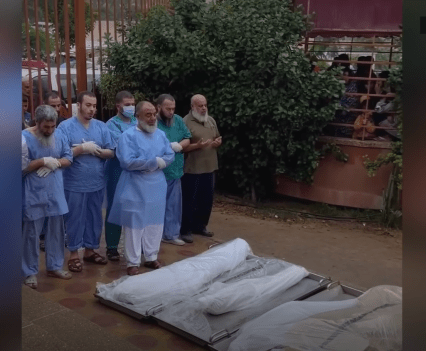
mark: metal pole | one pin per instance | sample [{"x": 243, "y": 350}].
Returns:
[
  {"x": 67, "y": 55},
  {"x": 93, "y": 46},
  {"x": 40, "y": 88},
  {"x": 58, "y": 60},
  {"x": 115, "y": 20},
  {"x": 27, "y": 30},
  {"x": 80, "y": 45},
  {"x": 46, "y": 20}
]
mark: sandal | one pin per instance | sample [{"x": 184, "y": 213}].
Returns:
[
  {"x": 31, "y": 281},
  {"x": 133, "y": 270},
  {"x": 74, "y": 265},
  {"x": 60, "y": 273},
  {"x": 113, "y": 255},
  {"x": 153, "y": 264},
  {"x": 95, "y": 258}
]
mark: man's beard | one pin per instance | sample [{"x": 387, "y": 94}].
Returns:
[
  {"x": 46, "y": 141},
  {"x": 147, "y": 128},
  {"x": 200, "y": 117},
  {"x": 165, "y": 119}
]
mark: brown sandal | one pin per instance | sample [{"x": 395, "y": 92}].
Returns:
[
  {"x": 74, "y": 265},
  {"x": 153, "y": 264},
  {"x": 132, "y": 270},
  {"x": 96, "y": 258}
]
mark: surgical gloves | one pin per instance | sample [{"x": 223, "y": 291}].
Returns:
[
  {"x": 176, "y": 146},
  {"x": 161, "y": 163},
  {"x": 51, "y": 163},
  {"x": 42, "y": 172}
]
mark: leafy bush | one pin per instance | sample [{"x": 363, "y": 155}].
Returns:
[
  {"x": 395, "y": 156},
  {"x": 243, "y": 56}
]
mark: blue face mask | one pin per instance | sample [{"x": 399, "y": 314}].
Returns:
[{"x": 128, "y": 111}]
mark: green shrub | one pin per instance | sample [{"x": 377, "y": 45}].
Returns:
[{"x": 243, "y": 56}]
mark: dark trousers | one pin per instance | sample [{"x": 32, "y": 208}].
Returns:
[
  {"x": 112, "y": 231},
  {"x": 197, "y": 201}
]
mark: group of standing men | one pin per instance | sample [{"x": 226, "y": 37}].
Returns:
[{"x": 157, "y": 169}]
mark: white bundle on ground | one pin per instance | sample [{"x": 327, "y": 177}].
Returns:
[
  {"x": 222, "y": 298},
  {"x": 179, "y": 279},
  {"x": 373, "y": 321},
  {"x": 268, "y": 330}
]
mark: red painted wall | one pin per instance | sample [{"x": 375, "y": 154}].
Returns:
[{"x": 377, "y": 15}]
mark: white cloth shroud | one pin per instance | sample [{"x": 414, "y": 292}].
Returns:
[
  {"x": 372, "y": 320},
  {"x": 180, "y": 279},
  {"x": 222, "y": 298}
]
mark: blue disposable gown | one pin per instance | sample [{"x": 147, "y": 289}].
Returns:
[
  {"x": 140, "y": 197},
  {"x": 87, "y": 173},
  {"x": 44, "y": 197}
]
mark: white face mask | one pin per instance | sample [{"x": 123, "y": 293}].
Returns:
[{"x": 128, "y": 111}]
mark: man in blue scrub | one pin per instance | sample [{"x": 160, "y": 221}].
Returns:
[
  {"x": 117, "y": 125},
  {"x": 85, "y": 182},
  {"x": 178, "y": 135},
  {"x": 43, "y": 196},
  {"x": 140, "y": 199}
]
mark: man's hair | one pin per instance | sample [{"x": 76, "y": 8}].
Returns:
[
  {"x": 123, "y": 95},
  {"x": 140, "y": 105},
  {"x": 163, "y": 97},
  {"x": 51, "y": 95},
  {"x": 196, "y": 97},
  {"x": 25, "y": 97},
  {"x": 45, "y": 113},
  {"x": 81, "y": 96}
]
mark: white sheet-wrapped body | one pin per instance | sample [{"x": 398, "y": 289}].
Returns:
[
  {"x": 222, "y": 298},
  {"x": 372, "y": 320},
  {"x": 180, "y": 279}
]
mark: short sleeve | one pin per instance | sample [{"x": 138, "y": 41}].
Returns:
[
  {"x": 25, "y": 157},
  {"x": 66, "y": 150},
  {"x": 107, "y": 138},
  {"x": 215, "y": 127},
  {"x": 114, "y": 131},
  {"x": 186, "y": 134}
]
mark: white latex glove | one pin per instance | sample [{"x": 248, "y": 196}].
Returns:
[
  {"x": 90, "y": 147},
  {"x": 176, "y": 146},
  {"x": 161, "y": 163},
  {"x": 51, "y": 163},
  {"x": 42, "y": 172}
]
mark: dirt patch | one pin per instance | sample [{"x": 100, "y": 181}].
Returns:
[{"x": 360, "y": 254}]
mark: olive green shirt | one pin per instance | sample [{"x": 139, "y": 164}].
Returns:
[{"x": 201, "y": 160}]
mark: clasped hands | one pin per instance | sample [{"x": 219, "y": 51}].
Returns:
[
  {"x": 50, "y": 164},
  {"x": 209, "y": 143},
  {"x": 89, "y": 147}
]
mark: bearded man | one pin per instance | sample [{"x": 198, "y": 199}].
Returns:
[
  {"x": 178, "y": 135},
  {"x": 200, "y": 164},
  {"x": 140, "y": 198},
  {"x": 43, "y": 195},
  {"x": 84, "y": 181}
]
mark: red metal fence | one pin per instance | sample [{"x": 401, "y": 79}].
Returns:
[{"x": 64, "y": 43}]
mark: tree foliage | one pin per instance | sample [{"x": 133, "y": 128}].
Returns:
[
  {"x": 242, "y": 55},
  {"x": 61, "y": 23},
  {"x": 33, "y": 43},
  {"x": 395, "y": 156}
]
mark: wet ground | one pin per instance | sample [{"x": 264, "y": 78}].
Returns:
[{"x": 358, "y": 255}]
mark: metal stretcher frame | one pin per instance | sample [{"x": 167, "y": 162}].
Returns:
[
  {"x": 220, "y": 335},
  {"x": 306, "y": 289},
  {"x": 155, "y": 311},
  {"x": 347, "y": 291}
]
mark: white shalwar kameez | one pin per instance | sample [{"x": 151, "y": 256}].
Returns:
[{"x": 140, "y": 197}]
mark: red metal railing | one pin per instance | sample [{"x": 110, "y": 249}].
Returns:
[
  {"x": 105, "y": 17},
  {"x": 374, "y": 47}
]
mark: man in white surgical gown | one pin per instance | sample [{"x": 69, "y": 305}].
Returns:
[{"x": 140, "y": 197}]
